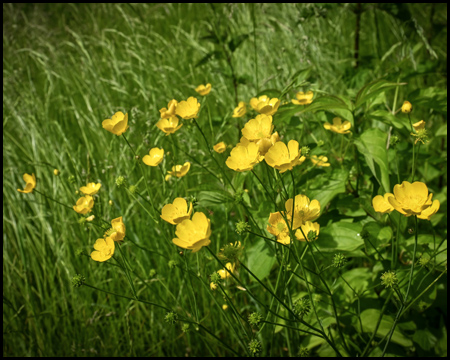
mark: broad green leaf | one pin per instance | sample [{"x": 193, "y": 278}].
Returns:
[
  {"x": 261, "y": 257},
  {"x": 213, "y": 198},
  {"x": 369, "y": 319},
  {"x": 324, "y": 189},
  {"x": 425, "y": 339},
  {"x": 388, "y": 118},
  {"x": 372, "y": 144},
  {"x": 374, "y": 89},
  {"x": 340, "y": 236},
  {"x": 442, "y": 131}
]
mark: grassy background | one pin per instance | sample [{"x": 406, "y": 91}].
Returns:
[{"x": 68, "y": 67}]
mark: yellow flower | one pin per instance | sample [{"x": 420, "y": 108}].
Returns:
[
  {"x": 305, "y": 210},
  {"x": 420, "y": 125},
  {"x": 169, "y": 126},
  {"x": 240, "y": 110},
  {"x": 188, "y": 109},
  {"x": 90, "y": 218},
  {"x": 220, "y": 147},
  {"x": 306, "y": 228},
  {"x": 259, "y": 130},
  {"x": 302, "y": 98},
  {"x": 30, "y": 181},
  {"x": 265, "y": 105},
  {"x": 381, "y": 204},
  {"x": 413, "y": 199},
  {"x": 104, "y": 249},
  {"x": 244, "y": 157},
  {"x": 56, "y": 172},
  {"x": 224, "y": 274},
  {"x": 407, "y": 107},
  {"x": 338, "y": 126},
  {"x": 91, "y": 188},
  {"x": 320, "y": 161},
  {"x": 167, "y": 177},
  {"x": 213, "y": 286},
  {"x": 155, "y": 158},
  {"x": 118, "y": 123},
  {"x": 282, "y": 157},
  {"x": 169, "y": 111},
  {"x": 203, "y": 90},
  {"x": 179, "y": 170},
  {"x": 224, "y": 307},
  {"x": 176, "y": 212},
  {"x": 117, "y": 232},
  {"x": 193, "y": 234},
  {"x": 278, "y": 227},
  {"x": 84, "y": 205}
]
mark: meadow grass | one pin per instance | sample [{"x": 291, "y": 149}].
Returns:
[{"x": 66, "y": 68}]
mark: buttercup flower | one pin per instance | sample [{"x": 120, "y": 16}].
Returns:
[
  {"x": 305, "y": 210},
  {"x": 179, "y": 170},
  {"x": 338, "y": 126},
  {"x": 302, "y": 98},
  {"x": 420, "y": 125},
  {"x": 169, "y": 126},
  {"x": 306, "y": 228},
  {"x": 224, "y": 274},
  {"x": 56, "y": 172},
  {"x": 155, "y": 158},
  {"x": 413, "y": 199},
  {"x": 117, "y": 231},
  {"x": 203, "y": 90},
  {"x": 381, "y": 204},
  {"x": 220, "y": 147},
  {"x": 320, "y": 160},
  {"x": 30, "y": 181},
  {"x": 265, "y": 105},
  {"x": 278, "y": 227},
  {"x": 90, "y": 218},
  {"x": 188, "y": 109},
  {"x": 240, "y": 110},
  {"x": 193, "y": 234},
  {"x": 91, "y": 188},
  {"x": 177, "y": 212},
  {"x": 84, "y": 205},
  {"x": 170, "y": 110},
  {"x": 259, "y": 130},
  {"x": 244, "y": 157},
  {"x": 282, "y": 157},
  {"x": 406, "y": 107},
  {"x": 104, "y": 249},
  {"x": 118, "y": 123}
]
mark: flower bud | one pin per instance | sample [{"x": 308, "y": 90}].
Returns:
[
  {"x": 172, "y": 264},
  {"x": 394, "y": 141},
  {"x": 56, "y": 172},
  {"x": 71, "y": 179},
  {"x": 407, "y": 107},
  {"x": 78, "y": 280},
  {"x": 132, "y": 189},
  {"x": 111, "y": 203},
  {"x": 305, "y": 150},
  {"x": 120, "y": 181}
]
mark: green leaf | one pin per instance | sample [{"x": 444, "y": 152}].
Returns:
[
  {"x": 373, "y": 89},
  {"x": 369, "y": 318},
  {"x": 261, "y": 258},
  {"x": 208, "y": 57},
  {"x": 214, "y": 198},
  {"x": 324, "y": 189},
  {"x": 234, "y": 43},
  {"x": 388, "y": 118},
  {"x": 340, "y": 236},
  {"x": 372, "y": 144}
]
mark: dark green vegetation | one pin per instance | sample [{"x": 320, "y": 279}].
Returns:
[{"x": 68, "y": 67}]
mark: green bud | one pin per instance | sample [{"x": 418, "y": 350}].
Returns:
[
  {"x": 255, "y": 347},
  {"x": 152, "y": 273},
  {"x": 171, "y": 318},
  {"x": 81, "y": 220},
  {"x": 71, "y": 179},
  {"x": 132, "y": 189},
  {"x": 254, "y": 319},
  {"x": 215, "y": 277},
  {"x": 185, "y": 328},
  {"x": 312, "y": 235},
  {"x": 389, "y": 279},
  {"x": 302, "y": 307},
  {"x": 172, "y": 264},
  {"x": 242, "y": 227},
  {"x": 78, "y": 280},
  {"x": 320, "y": 143},
  {"x": 192, "y": 199},
  {"x": 303, "y": 352},
  {"x": 305, "y": 150},
  {"x": 120, "y": 181},
  {"x": 394, "y": 141},
  {"x": 339, "y": 260}
]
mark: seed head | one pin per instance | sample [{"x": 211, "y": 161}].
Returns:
[
  {"x": 78, "y": 280},
  {"x": 254, "y": 319},
  {"x": 339, "y": 260},
  {"x": 389, "y": 279},
  {"x": 302, "y": 307},
  {"x": 171, "y": 318},
  {"x": 242, "y": 227},
  {"x": 255, "y": 347},
  {"x": 120, "y": 181}
]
